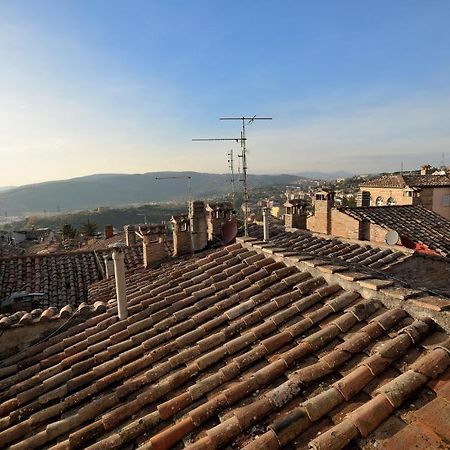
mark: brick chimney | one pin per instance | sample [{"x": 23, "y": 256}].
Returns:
[
  {"x": 109, "y": 231},
  {"x": 363, "y": 199},
  {"x": 295, "y": 214},
  {"x": 425, "y": 169},
  {"x": 218, "y": 215},
  {"x": 198, "y": 226},
  {"x": 130, "y": 235},
  {"x": 323, "y": 204},
  {"x": 182, "y": 242},
  {"x": 154, "y": 242}
]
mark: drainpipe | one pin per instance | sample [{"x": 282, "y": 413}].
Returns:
[
  {"x": 119, "y": 271},
  {"x": 265, "y": 212}
]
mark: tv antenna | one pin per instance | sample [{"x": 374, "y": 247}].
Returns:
[
  {"x": 242, "y": 140},
  {"x": 231, "y": 166},
  {"x": 176, "y": 177}
]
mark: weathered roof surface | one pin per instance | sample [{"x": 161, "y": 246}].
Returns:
[
  {"x": 232, "y": 348},
  {"x": 402, "y": 181},
  {"x": 414, "y": 222},
  {"x": 320, "y": 249},
  {"x": 63, "y": 277}
]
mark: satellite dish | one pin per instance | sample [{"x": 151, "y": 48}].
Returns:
[
  {"x": 391, "y": 237},
  {"x": 229, "y": 231}
]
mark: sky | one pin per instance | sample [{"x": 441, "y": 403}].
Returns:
[{"x": 106, "y": 86}]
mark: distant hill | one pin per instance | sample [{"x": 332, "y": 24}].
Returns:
[
  {"x": 122, "y": 189},
  {"x": 6, "y": 188},
  {"x": 325, "y": 175}
]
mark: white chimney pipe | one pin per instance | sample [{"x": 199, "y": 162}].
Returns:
[
  {"x": 265, "y": 212},
  {"x": 119, "y": 271}
]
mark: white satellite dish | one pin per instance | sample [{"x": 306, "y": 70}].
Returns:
[{"x": 391, "y": 237}]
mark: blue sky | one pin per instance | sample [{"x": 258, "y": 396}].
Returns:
[{"x": 122, "y": 86}]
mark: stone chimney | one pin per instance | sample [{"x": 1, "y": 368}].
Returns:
[
  {"x": 108, "y": 231},
  {"x": 182, "y": 242},
  {"x": 119, "y": 273},
  {"x": 198, "y": 225},
  {"x": 109, "y": 265},
  {"x": 363, "y": 199},
  {"x": 425, "y": 169},
  {"x": 154, "y": 242},
  {"x": 295, "y": 214},
  {"x": 130, "y": 235},
  {"x": 323, "y": 204},
  {"x": 218, "y": 215}
]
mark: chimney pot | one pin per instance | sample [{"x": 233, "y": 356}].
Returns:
[{"x": 119, "y": 272}]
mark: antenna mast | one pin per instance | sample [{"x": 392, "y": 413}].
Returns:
[
  {"x": 242, "y": 140},
  {"x": 243, "y": 155},
  {"x": 231, "y": 166}
]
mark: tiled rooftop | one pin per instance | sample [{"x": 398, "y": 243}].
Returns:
[
  {"x": 233, "y": 348},
  {"x": 63, "y": 277},
  {"x": 318, "y": 249},
  {"x": 414, "y": 222},
  {"x": 401, "y": 181}
]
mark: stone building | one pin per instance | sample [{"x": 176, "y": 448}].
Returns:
[{"x": 431, "y": 190}]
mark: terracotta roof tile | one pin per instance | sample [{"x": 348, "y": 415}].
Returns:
[{"x": 211, "y": 365}]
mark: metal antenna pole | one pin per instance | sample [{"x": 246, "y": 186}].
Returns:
[
  {"x": 243, "y": 155},
  {"x": 231, "y": 165}
]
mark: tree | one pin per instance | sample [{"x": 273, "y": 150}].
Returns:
[
  {"x": 88, "y": 228},
  {"x": 68, "y": 231}
]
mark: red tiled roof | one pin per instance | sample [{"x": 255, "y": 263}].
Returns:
[
  {"x": 232, "y": 348},
  {"x": 414, "y": 222},
  {"x": 63, "y": 277},
  {"x": 402, "y": 181},
  {"x": 318, "y": 249}
]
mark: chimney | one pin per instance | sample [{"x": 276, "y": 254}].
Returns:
[
  {"x": 324, "y": 202},
  {"x": 363, "y": 199},
  {"x": 154, "y": 242},
  {"x": 266, "y": 213},
  {"x": 425, "y": 169},
  {"x": 109, "y": 265},
  {"x": 130, "y": 235},
  {"x": 119, "y": 273},
  {"x": 218, "y": 215},
  {"x": 295, "y": 215},
  {"x": 198, "y": 226},
  {"x": 109, "y": 231},
  {"x": 182, "y": 242}
]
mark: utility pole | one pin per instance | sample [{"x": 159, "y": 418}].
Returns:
[{"x": 242, "y": 140}]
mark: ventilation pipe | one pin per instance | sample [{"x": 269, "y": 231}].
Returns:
[
  {"x": 266, "y": 213},
  {"x": 109, "y": 265},
  {"x": 119, "y": 271}
]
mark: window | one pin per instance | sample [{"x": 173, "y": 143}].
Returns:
[
  {"x": 379, "y": 201},
  {"x": 390, "y": 201},
  {"x": 446, "y": 200}
]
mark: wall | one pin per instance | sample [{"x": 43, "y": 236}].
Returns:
[
  {"x": 377, "y": 233},
  {"x": 395, "y": 193},
  {"x": 341, "y": 224},
  {"x": 438, "y": 205}
]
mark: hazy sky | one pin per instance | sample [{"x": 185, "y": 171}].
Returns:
[{"x": 89, "y": 86}]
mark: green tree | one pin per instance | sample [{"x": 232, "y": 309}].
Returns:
[
  {"x": 89, "y": 228},
  {"x": 68, "y": 231}
]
